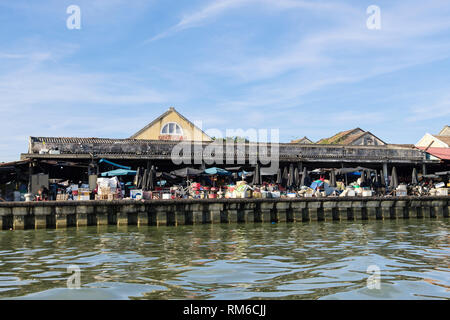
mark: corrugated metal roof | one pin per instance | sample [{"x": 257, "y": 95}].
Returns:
[
  {"x": 441, "y": 153},
  {"x": 337, "y": 136},
  {"x": 87, "y": 140}
]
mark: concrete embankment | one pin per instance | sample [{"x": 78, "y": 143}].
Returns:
[{"x": 62, "y": 214}]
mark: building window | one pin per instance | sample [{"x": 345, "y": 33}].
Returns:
[{"x": 172, "y": 128}]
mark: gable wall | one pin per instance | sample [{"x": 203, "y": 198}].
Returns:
[
  {"x": 190, "y": 132},
  {"x": 361, "y": 141},
  {"x": 426, "y": 140},
  {"x": 445, "y": 131}
]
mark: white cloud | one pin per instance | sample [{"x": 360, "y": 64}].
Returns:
[
  {"x": 216, "y": 8},
  {"x": 440, "y": 109},
  {"x": 41, "y": 97}
]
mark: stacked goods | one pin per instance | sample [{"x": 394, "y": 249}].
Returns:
[
  {"x": 213, "y": 193},
  {"x": 276, "y": 194},
  {"x": 441, "y": 190},
  {"x": 401, "y": 190},
  {"x": 348, "y": 192},
  {"x": 358, "y": 190},
  {"x": 242, "y": 190},
  {"x": 74, "y": 188},
  {"x": 266, "y": 194},
  {"x": 194, "y": 190},
  {"x": 291, "y": 195},
  {"x": 147, "y": 195},
  {"x": 62, "y": 196},
  {"x": 83, "y": 194},
  {"x": 306, "y": 192},
  {"x": 230, "y": 192},
  {"x": 107, "y": 188},
  {"x": 257, "y": 193}
]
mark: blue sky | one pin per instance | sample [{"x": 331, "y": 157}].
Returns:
[{"x": 306, "y": 67}]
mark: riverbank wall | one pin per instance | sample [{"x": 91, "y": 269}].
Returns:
[{"x": 63, "y": 214}]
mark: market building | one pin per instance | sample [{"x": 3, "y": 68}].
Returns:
[{"x": 77, "y": 159}]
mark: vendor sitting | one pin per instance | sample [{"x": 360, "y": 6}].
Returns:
[{"x": 42, "y": 194}]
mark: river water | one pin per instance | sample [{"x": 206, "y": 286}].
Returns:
[{"x": 317, "y": 260}]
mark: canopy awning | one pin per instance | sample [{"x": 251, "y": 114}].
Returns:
[
  {"x": 119, "y": 172},
  {"x": 217, "y": 171},
  {"x": 187, "y": 172},
  {"x": 114, "y": 164}
]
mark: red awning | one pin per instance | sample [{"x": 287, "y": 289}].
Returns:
[{"x": 441, "y": 153}]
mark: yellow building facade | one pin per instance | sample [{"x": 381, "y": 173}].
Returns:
[{"x": 171, "y": 125}]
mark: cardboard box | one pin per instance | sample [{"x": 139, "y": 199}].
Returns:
[
  {"x": 367, "y": 193},
  {"x": 291, "y": 195},
  {"x": 276, "y": 194}
]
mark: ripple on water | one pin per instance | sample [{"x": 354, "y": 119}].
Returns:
[{"x": 237, "y": 261}]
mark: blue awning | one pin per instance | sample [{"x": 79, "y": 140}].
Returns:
[
  {"x": 218, "y": 171},
  {"x": 114, "y": 164},
  {"x": 119, "y": 172}
]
